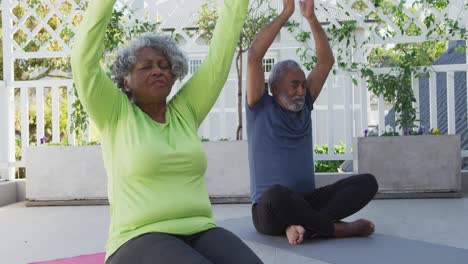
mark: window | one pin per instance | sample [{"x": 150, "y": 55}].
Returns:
[
  {"x": 268, "y": 64},
  {"x": 194, "y": 64}
]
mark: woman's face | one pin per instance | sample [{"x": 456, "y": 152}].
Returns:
[{"x": 150, "y": 79}]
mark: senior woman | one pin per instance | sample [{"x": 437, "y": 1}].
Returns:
[{"x": 159, "y": 207}]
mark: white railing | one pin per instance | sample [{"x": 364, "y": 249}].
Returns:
[
  {"x": 222, "y": 120},
  {"x": 449, "y": 70},
  {"x": 340, "y": 113}
]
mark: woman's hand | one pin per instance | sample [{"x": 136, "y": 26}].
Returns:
[{"x": 307, "y": 8}]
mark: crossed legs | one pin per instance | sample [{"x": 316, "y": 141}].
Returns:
[{"x": 281, "y": 211}]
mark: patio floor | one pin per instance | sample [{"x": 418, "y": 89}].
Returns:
[{"x": 30, "y": 234}]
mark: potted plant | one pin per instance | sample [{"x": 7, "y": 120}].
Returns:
[{"x": 413, "y": 166}]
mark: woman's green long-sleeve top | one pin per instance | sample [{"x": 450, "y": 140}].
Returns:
[{"x": 155, "y": 171}]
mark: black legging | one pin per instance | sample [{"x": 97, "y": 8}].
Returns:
[
  {"x": 317, "y": 211},
  {"x": 216, "y": 245}
]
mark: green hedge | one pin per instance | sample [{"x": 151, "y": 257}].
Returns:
[{"x": 328, "y": 165}]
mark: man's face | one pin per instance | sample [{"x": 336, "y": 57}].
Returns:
[{"x": 290, "y": 91}]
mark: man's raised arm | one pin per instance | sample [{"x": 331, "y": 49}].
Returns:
[
  {"x": 325, "y": 60},
  {"x": 258, "y": 48}
]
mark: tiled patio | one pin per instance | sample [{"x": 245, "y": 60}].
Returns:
[{"x": 30, "y": 234}]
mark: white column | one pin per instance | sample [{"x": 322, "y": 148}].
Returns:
[
  {"x": 360, "y": 57},
  {"x": 330, "y": 121},
  {"x": 39, "y": 114},
  {"x": 451, "y": 103},
  {"x": 348, "y": 113},
  {"x": 7, "y": 137},
  {"x": 71, "y": 99},
  {"x": 416, "y": 105},
  {"x": 55, "y": 114},
  {"x": 6, "y": 132},
  {"x": 433, "y": 99},
  {"x": 382, "y": 111}
]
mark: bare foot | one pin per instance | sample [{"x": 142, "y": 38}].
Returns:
[
  {"x": 295, "y": 234},
  {"x": 360, "y": 227}
]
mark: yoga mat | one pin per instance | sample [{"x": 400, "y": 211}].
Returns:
[
  {"x": 377, "y": 248},
  {"x": 83, "y": 259}
]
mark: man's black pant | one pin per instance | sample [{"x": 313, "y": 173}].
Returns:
[{"x": 317, "y": 211}]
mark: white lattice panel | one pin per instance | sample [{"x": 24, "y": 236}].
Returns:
[
  {"x": 46, "y": 28},
  {"x": 43, "y": 29},
  {"x": 381, "y": 23},
  {"x": 43, "y": 26}
]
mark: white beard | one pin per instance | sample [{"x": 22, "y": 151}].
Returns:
[{"x": 295, "y": 104}]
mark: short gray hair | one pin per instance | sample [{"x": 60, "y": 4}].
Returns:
[
  {"x": 126, "y": 56},
  {"x": 278, "y": 69}
]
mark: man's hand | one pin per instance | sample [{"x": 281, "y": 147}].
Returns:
[
  {"x": 288, "y": 7},
  {"x": 307, "y": 8}
]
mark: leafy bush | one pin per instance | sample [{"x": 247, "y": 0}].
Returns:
[{"x": 328, "y": 165}]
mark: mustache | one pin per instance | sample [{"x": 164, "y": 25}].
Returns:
[{"x": 298, "y": 98}]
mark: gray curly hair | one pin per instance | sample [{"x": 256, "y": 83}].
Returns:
[
  {"x": 278, "y": 69},
  {"x": 126, "y": 57}
]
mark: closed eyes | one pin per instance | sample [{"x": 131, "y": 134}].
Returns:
[{"x": 164, "y": 66}]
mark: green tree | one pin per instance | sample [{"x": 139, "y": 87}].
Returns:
[
  {"x": 396, "y": 86},
  {"x": 259, "y": 14},
  {"x": 407, "y": 59}
]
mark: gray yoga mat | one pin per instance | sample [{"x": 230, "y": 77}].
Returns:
[{"x": 377, "y": 249}]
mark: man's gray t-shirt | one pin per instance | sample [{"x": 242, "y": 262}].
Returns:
[{"x": 280, "y": 146}]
